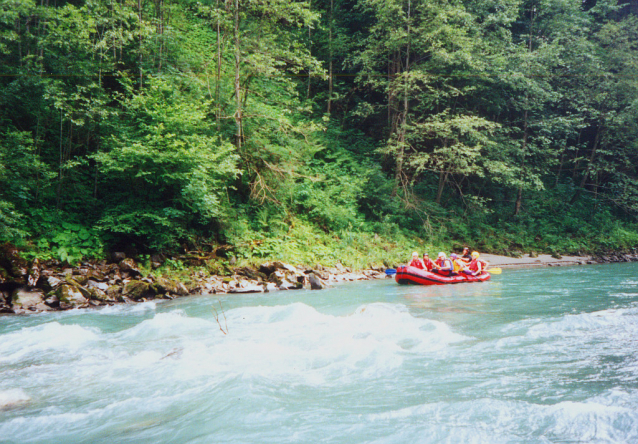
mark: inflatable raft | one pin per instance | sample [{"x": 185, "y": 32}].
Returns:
[{"x": 415, "y": 276}]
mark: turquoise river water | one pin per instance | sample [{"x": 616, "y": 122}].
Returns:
[{"x": 533, "y": 356}]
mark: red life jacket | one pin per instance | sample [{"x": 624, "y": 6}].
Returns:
[
  {"x": 416, "y": 263},
  {"x": 474, "y": 265},
  {"x": 429, "y": 265}
]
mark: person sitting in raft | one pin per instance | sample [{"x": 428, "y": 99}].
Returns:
[
  {"x": 458, "y": 263},
  {"x": 416, "y": 262},
  {"x": 466, "y": 256},
  {"x": 444, "y": 265},
  {"x": 476, "y": 266},
  {"x": 428, "y": 263}
]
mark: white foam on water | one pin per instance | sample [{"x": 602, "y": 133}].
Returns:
[
  {"x": 489, "y": 420},
  {"x": 13, "y": 398},
  {"x": 119, "y": 309},
  {"x": 51, "y": 337},
  {"x": 299, "y": 344}
]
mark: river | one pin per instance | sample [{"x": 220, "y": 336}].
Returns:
[{"x": 540, "y": 355}]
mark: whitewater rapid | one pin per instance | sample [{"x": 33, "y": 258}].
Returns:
[{"x": 513, "y": 360}]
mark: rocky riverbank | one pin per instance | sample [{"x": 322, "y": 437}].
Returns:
[{"x": 31, "y": 287}]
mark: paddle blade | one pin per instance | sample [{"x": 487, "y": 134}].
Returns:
[
  {"x": 495, "y": 270},
  {"x": 390, "y": 271}
]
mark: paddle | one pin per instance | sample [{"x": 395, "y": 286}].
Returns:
[
  {"x": 494, "y": 270},
  {"x": 390, "y": 271}
]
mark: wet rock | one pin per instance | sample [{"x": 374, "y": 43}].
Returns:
[
  {"x": 102, "y": 286},
  {"x": 34, "y": 273},
  {"x": 340, "y": 268},
  {"x": 41, "y": 307},
  {"x": 52, "y": 301},
  {"x": 319, "y": 273},
  {"x": 15, "y": 268},
  {"x": 99, "y": 295},
  {"x": 287, "y": 285},
  {"x": 48, "y": 283},
  {"x": 27, "y": 299},
  {"x": 115, "y": 292},
  {"x": 315, "y": 282},
  {"x": 96, "y": 275},
  {"x": 270, "y": 287},
  {"x": 533, "y": 254},
  {"x": 69, "y": 296},
  {"x": 250, "y": 288},
  {"x": 5, "y": 302},
  {"x": 250, "y": 273},
  {"x": 129, "y": 266},
  {"x": 164, "y": 286},
  {"x": 137, "y": 290}
]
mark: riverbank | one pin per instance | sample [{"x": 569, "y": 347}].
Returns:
[
  {"x": 49, "y": 286},
  {"x": 32, "y": 287}
]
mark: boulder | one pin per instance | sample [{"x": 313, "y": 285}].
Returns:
[
  {"x": 96, "y": 275},
  {"x": 270, "y": 267},
  {"x": 250, "y": 273},
  {"x": 287, "y": 285},
  {"x": 34, "y": 273},
  {"x": 27, "y": 299},
  {"x": 5, "y": 302},
  {"x": 137, "y": 290},
  {"x": 156, "y": 260},
  {"x": 15, "y": 268},
  {"x": 320, "y": 273},
  {"x": 69, "y": 296},
  {"x": 250, "y": 288},
  {"x": 270, "y": 287},
  {"x": 129, "y": 266},
  {"x": 165, "y": 285},
  {"x": 48, "y": 283},
  {"x": 52, "y": 301},
  {"x": 115, "y": 292},
  {"x": 102, "y": 286},
  {"x": 315, "y": 282},
  {"x": 98, "y": 295}
]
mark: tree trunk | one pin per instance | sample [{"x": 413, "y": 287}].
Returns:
[
  {"x": 583, "y": 180},
  {"x": 330, "y": 57},
  {"x": 442, "y": 181},
  {"x": 238, "y": 111}
]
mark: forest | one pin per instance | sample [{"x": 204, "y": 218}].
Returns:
[{"x": 320, "y": 130}]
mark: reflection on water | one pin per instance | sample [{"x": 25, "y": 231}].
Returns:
[{"x": 544, "y": 355}]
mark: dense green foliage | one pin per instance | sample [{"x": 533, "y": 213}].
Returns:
[{"x": 317, "y": 130}]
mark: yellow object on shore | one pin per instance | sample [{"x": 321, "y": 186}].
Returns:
[{"x": 495, "y": 270}]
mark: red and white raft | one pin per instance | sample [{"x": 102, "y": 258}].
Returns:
[{"x": 407, "y": 275}]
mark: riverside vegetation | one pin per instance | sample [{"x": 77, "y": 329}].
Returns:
[{"x": 315, "y": 132}]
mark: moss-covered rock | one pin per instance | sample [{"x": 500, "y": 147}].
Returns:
[
  {"x": 137, "y": 290},
  {"x": 68, "y": 294},
  {"x": 170, "y": 286}
]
